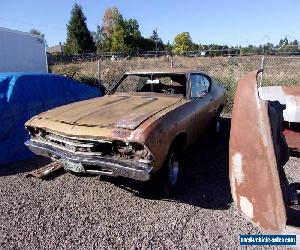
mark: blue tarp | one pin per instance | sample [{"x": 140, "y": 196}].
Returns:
[{"x": 24, "y": 95}]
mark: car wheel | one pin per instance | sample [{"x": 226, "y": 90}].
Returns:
[
  {"x": 217, "y": 123},
  {"x": 171, "y": 172},
  {"x": 173, "y": 169},
  {"x": 215, "y": 126}
]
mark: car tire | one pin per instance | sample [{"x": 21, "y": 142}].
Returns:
[
  {"x": 171, "y": 172},
  {"x": 215, "y": 127}
]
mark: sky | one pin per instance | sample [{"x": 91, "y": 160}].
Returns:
[{"x": 231, "y": 22}]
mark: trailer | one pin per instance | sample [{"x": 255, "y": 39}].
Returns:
[{"x": 22, "y": 52}]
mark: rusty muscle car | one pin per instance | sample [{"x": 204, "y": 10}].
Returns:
[{"x": 141, "y": 126}]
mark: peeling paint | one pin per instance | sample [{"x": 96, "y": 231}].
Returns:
[
  {"x": 246, "y": 207},
  {"x": 286, "y": 95},
  {"x": 272, "y": 93},
  {"x": 134, "y": 133},
  {"x": 292, "y": 111},
  {"x": 238, "y": 167}
]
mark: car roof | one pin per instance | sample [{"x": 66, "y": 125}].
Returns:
[{"x": 174, "y": 71}]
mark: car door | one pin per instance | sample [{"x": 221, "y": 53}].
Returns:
[{"x": 202, "y": 101}]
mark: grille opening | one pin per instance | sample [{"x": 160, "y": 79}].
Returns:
[{"x": 103, "y": 148}]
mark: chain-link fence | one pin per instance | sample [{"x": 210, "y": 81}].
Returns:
[{"x": 278, "y": 70}]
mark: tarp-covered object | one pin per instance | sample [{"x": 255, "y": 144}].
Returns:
[{"x": 24, "y": 95}]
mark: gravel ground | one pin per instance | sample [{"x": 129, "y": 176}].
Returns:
[{"x": 88, "y": 212}]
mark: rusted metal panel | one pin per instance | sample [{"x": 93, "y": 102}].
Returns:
[
  {"x": 291, "y": 90},
  {"x": 254, "y": 177},
  {"x": 46, "y": 170},
  {"x": 292, "y": 139},
  {"x": 292, "y": 130},
  {"x": 109, "y": 111}
]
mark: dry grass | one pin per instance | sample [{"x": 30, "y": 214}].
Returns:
[{"x": 227, "y": 70}]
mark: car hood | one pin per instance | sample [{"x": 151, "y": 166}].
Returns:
[{"x": 122, "y": 111}]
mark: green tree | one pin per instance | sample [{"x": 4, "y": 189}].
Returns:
[
  {"x": 195, "y": 46},
  {"x": 281, "y": 42},
  {"x": 119, "y": 35},
  {"x": 295, "y": 42},
  {"x": 79, "y": 39},
  {"x": 157, "y": 40},
  {"x": 35, "y": 32},
  {"x": 103, "y": 43},
  {"x": 215, "y": 50},
  {"x": 182, "y": 42},
  {"x": 251, "y": 49},
  {"x": 146, "y": 44},
  {"x": 285, "y": 41},
  {"x": 126, "y": 36},
  {"x": 133, "y": 35},
  {"x": 269, "y": 48},
  {"x": 168, "y": 47},
  {"x": 105, "y": 31}
]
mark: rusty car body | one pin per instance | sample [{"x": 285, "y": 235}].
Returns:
[
  {"x": 142, "y": 123},
  {"x": 264, "y": 122}
]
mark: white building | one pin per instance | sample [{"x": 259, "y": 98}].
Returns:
[{"x": 22, "y": 52}]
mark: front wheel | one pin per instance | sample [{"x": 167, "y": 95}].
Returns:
[
  {"x": 170, "y": 172},
  {"x": 173, "y": 169}
]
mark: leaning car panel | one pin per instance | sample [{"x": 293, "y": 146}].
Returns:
[{"x": 254, "y": 177}]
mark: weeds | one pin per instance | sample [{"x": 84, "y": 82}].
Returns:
[{"x": 227, "y": 70}]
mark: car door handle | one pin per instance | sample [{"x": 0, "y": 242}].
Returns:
[{"x": 212, "y": 99}]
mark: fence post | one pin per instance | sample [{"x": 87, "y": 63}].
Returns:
[
  {"x": 171, "y": 62},
  {"x": 262, "y": 67},
  {"x": 98, "y": 70}
]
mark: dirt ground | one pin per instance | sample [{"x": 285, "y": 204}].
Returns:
[{"x": 89, "y": 212}]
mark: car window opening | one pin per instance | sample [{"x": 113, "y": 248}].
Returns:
[{"x": 167, "y": 84}]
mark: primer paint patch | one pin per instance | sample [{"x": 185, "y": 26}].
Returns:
[
  {"x": 246, "y": 207},
  {"x": 133, "y": 134},
  {"x": 272, "y": 93},
  {"x": 129, "y": 138},
  {"x": 292, "y": 111},
  {"x": 237, "y": 161}
]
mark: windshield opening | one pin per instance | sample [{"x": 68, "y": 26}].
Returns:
[{"x": 168, "y": 84}]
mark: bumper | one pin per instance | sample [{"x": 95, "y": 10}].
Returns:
[{"x": 93, "y": 164}]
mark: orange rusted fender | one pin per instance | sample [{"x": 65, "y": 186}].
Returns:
[{"x": 254, "y": 177}]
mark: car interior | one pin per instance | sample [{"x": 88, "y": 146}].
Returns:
[
  {"x": 165, "y": 83},
  {"x": 168, "y": 84}
]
